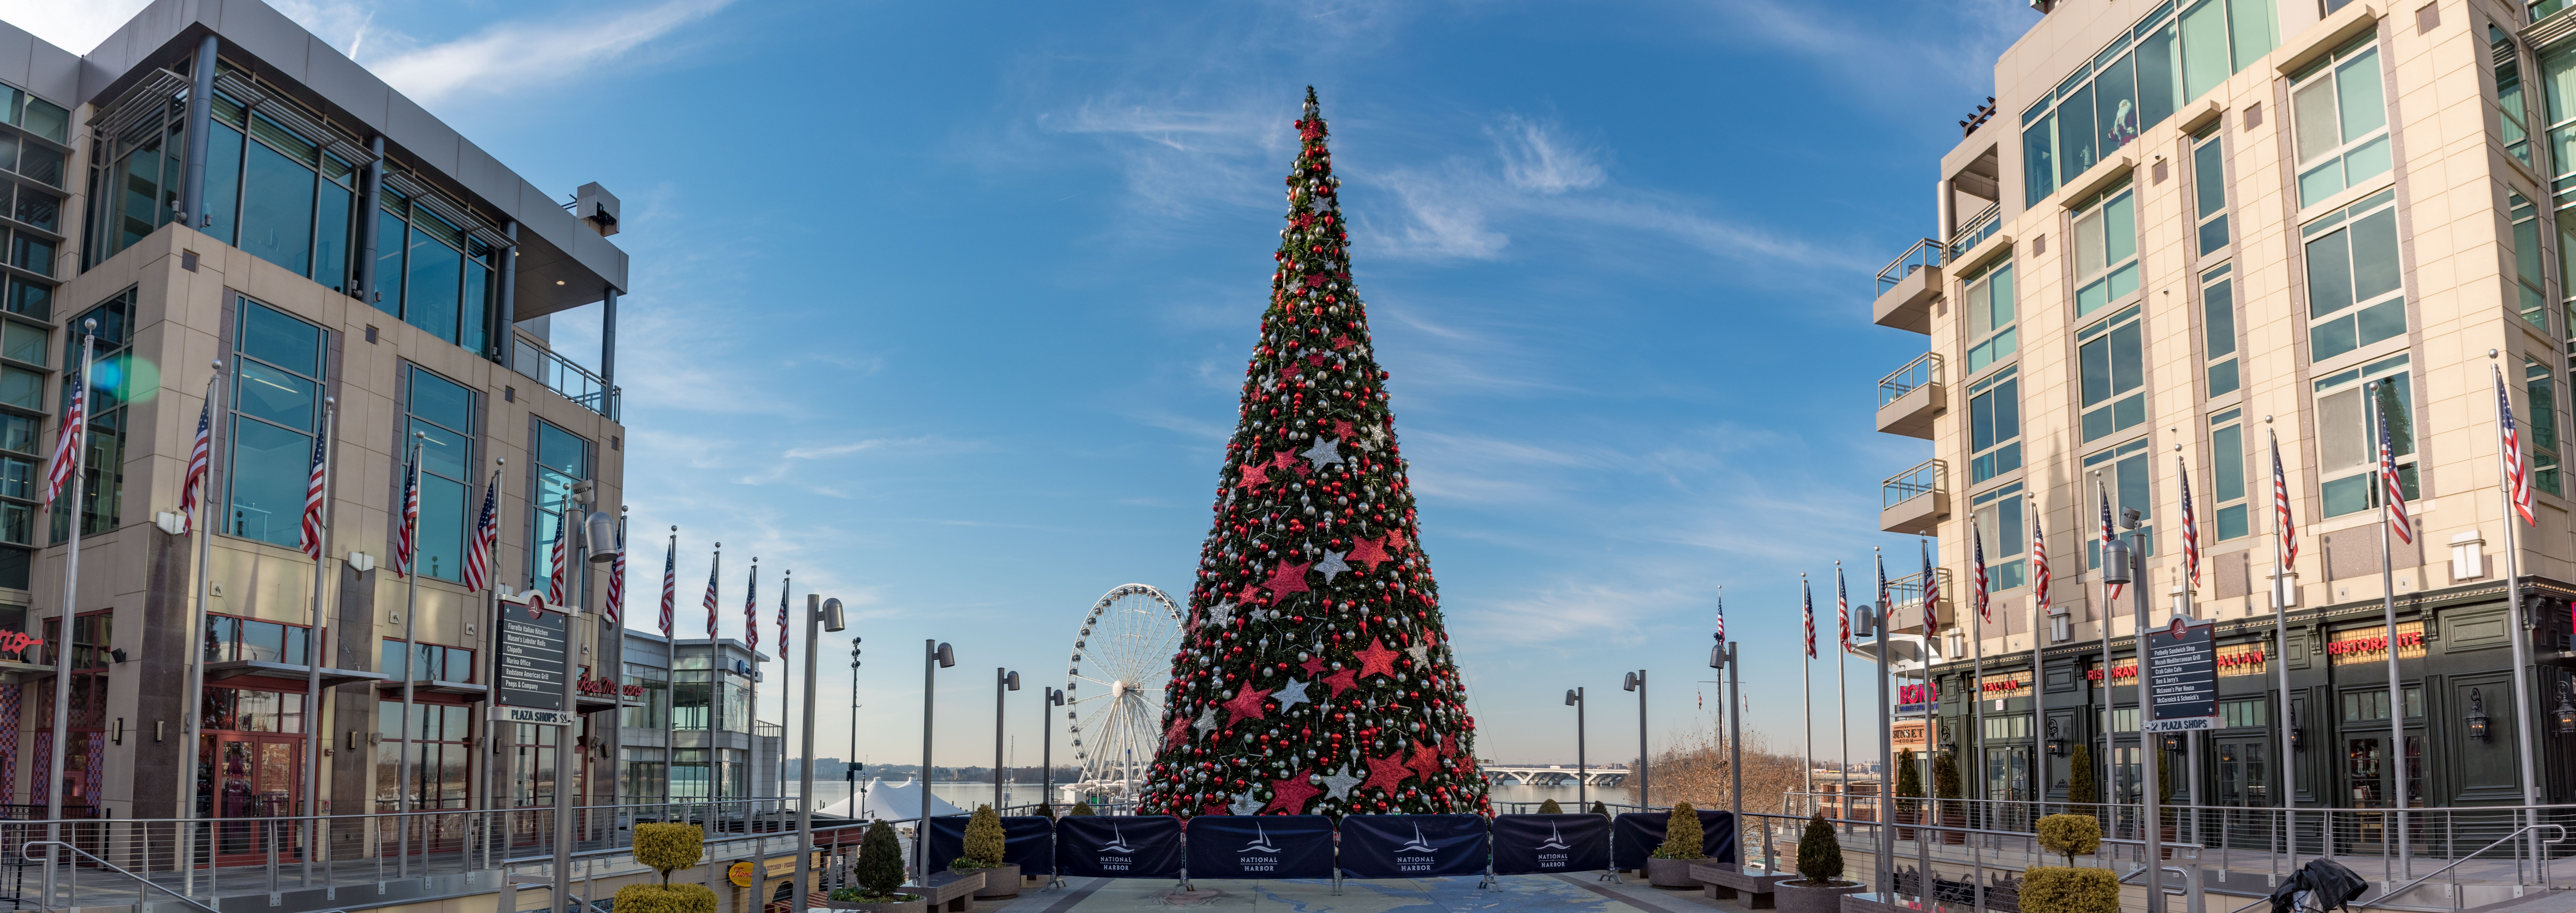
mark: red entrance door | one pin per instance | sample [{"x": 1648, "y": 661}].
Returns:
[{"x": 256, "y": 777}]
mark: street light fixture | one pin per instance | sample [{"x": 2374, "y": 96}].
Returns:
[
  {"x": 2565, "y": 713},
  {"x": 1637, "y": 682},
  {"x": 2477, "y": 715},
  {"x": 827, "y": 614},
  {"x": 935, "y": 656},
  {"x": 1574, "y": 699},
  {"x": 1004, "y": 682},
  {"x": 1050, "y": 698}
]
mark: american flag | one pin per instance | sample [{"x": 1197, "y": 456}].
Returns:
[
  {"x": 200, "y": 462},
  {"x": 2516, "y": 475},
  {"x": 1808, "y": 599},
  {"x": 405, "y": 543},
  {"x": 557, "y": 571},
  {"x": 1721, "y": 621},
  {"x": 2108, "y": 536},
  {"x": 487, "y": 533},
  {"x": 310, "y": 537},
  {"x": 2395, "y": 487},
  {"x": 671, "y": 587},
  {"x": 1842, "y": 606},
  {"x": 1931, "y": 589},
  {"x": 751, "y": 609},
  {"x": 1977, "y": 536},
  {"x": 2190, "y": 529},
  {"x": 712, "y": 567},
  {"x": 67, "y": 443},
  {"x": 782, "y": 617},
  {"x": 616, "y": 609},
  {"x": 2038, "y": 569},
  {"x": 1883, "y": 606},
  {"x": 2282, "y": 525}
]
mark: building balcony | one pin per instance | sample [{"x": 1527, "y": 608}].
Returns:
[
  {"x": 1906, "y": 289},
  {"x": 1975, "y": 231},
  {"x": 568, "y": 380},
  {"x": 1910, "y": 398},
  {"x": 1905, "y": 602},
  {"x": 1911, "y": 501}
]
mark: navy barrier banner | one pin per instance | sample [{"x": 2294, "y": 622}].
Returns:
[
  {"x": 1028, "y": 841},
  {"x": 1413, "y": 846},
  {"x": 1544, "y": 844},
  {"x": 1119, "y": 846},
  {"x": 1261, "y": 846},
  {"x": 1639, "y": 833}
]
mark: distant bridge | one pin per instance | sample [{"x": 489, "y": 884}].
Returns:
[{"x": 1554, "y": 775}]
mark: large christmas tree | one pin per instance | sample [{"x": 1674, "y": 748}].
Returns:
[{"x": 1315, "y": 675}]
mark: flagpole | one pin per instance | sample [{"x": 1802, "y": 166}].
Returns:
[
  {"x": 315, "y": 653},
  {"x": 189, "y": 723},
  {"x": 410, "y": 563},
  {"x": 1806, "y": 693},
  {"x": 2388, "y": 614},
  {"x": 2038, "y": 672},
  {"x": 786, "y": 709},
  {"x": 2521, "y": 631},
  {"x": 671, "y": 682},
  {"x": 1977, "y": 701},
  {"x": 2190, "y": 583},
  {"x": 2289, "y": 765},
  {"x": 1842, "y": 697},
  {"x": 715, "y": 684},
  {"x": 2109, "y": 721},
  {"x": 493, "y": 784}
]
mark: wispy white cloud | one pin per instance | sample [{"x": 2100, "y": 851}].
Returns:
[
  {"x": 513, "y": 53},
  {"x": 77, "y": 26},
  {"x": 1535, "y": 158}
]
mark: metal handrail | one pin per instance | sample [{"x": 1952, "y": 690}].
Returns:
[
  {"x": 1923, "y": 371},
  {"x": 1926, "y": 478},
  {"x": 27, "y": 850},
  {"x": 1924, "y": 253},
  {"x": 2517, "y": 832},
  {"x": 1978, "y": 228}
]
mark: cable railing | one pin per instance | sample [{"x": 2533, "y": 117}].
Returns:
[
  {"x": 568, "y": 380},
  {"x": 1924, "y": 253},
  {"x": 1913, "y": 483},
  {"x": 1976, "y": 230},
  {"x": 1923, "y": 371}
]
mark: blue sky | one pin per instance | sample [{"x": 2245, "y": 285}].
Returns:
[{"x": 944, "y": 306}]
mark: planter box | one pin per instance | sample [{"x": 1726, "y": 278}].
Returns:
[
  {"x": 1794, "y": 898},
  {"x": 1674, "y": 874},
  {"x": 917, "y": 905},
  {"x": 999, "y": 881},
  {"x": 1723, "y": 880},
  {"x": 1905, "y": 817},
  {"x": 952, "y": 890}
]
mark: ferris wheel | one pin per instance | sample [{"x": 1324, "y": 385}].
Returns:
[{"x": 1124, "y": 653}]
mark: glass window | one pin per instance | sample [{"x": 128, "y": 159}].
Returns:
[
  {"x": 276, "y": 407},
  {"x": 2349, "y": 407},
  {"x": 435, "y": 280},
  {"x": 277, "y": 209},
  {"x": 223, "y": 180},
  {"x": 2107, "y": 102},
  {"x": 562, "y": 458},
  {"x": 443, "y": 412},
  {"x": 2001, "y": 525},
  {"x": 2128, "y": 475},
  {"x": 2529, "y": 299},
  {"x": 24, "y": 343},
  {"x": 113, "y": 383},
  {"x": 389, "y": 259},
  {"x": 1994, "y": 425},
  {"x": 435, "y": 662},
  {"x": 2106, "y": 250},
  {"x": 2513, "y": 118},
  {"x": 2231, "y": 512},
  {"x": 2340, "y": 116},
  {"x": 1990, "y": 316},
  {"x": 2541, "y": 415},
  {"x": 653, "y": 709},
  {"x": 2209, "y": 190},
  {"x": 229, "y": 638},
  {"x": 2113, "y": 369},
  {"x": 2218, "y": 329},
  {"x": 2354, "y": 297}
]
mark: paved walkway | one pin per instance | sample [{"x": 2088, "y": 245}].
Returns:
[{"x": 1510, "y": 894}]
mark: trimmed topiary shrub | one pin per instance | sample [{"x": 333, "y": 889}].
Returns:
[
  {"x": 2062, "y": 889},
  {"x": 667, "y": 847},
  {"x": 1681, "y": 834},
  {"x": 666, "y": 898},
  {"x": 2079, "y": 777},
  {"x": 880, "y": 868},
  {"x": 1820, "y": 854},
  {"x": 1909, "y": 782},
  {"x": 1081, "y": 810},
  {"x": 2070, "y": 835},
  {"x": 1600, "y": 809},
  {"x": 983, "y": 841},
  {"x": 1550, "y": 807},
  {"x": 1046, "y": 810}
]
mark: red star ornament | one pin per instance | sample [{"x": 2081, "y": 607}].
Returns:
[
  {"x": 1425, "y": 759},
  {"x": 1246, "y": 703},
  {"x": 1288, "y": 578},
  {"x": 1316, "y": 359},
  {"x": 1172, "y": 736},
  {"x": 1254, "y": 475},
  {"x": 1292, "y": 794},
  {"x": 1343, "y": 680},
  {"x": 1284, "y": 459},
  {"x": 1449, "y": 745},
  {"x": 1342, "y": 429},
  {"x": 1342, "y": 342},
  {"x": 1376, "y": 660},
  {"x": 1313, "y": 665},
  {"x": 1388, "y": 772},
  {"x": 1370, "y": 552},
  {"x": 1216, "y": 810}
]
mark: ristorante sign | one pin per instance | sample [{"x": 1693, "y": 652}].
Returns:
[{"x": 2370, "y": 645}]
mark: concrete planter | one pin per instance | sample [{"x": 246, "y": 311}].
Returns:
[
  {"x": 999, "y": 881},
  {"x": 1794, "y": 896},
  {"x": 1673, "y": 874}
]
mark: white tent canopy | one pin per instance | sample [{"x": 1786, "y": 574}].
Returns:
[{"x": 888, "y": 801}]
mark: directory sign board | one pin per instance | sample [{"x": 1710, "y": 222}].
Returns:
[
  {"x": 535, "y": 655},
  {"x": 2182, "y": 677}
]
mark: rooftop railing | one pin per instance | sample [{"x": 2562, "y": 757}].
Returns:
[
  {"x": 1923, "y": 371},
  {"x": 1976, "y": 230},
  {"x": 1913, "y": 483},
  {"x": 1926, "y": 252},
  {"x": 569, "y": 380}
]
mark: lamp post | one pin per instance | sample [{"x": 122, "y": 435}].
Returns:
[
  {"x": 1048, "y": 700},
  {"x": 1574, "y": 699},
  {"x": 850, "y": 765},
  {"x": 827, "y": 614},
  {"x": 935, "y": 656},
  {"x": 1637, "y": 682},
  {"x": 1722, "y": 656},
  {"x": 1866, "y": 623},
  {"x": 1004, "y": 682},
  {"x": 2123, "y": 562}
]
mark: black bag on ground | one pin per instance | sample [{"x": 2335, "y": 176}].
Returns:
[{"x": 2322, "y": 884}]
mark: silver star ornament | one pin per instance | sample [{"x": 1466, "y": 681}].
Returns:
[
  {"x": 1245, "y": 804},
  {"x": 1338, "y": 784},
  {"x": 1332, "y": 565},
  {"x": 1323, "y": 453},
  {"x": 1291, "y": 694}
]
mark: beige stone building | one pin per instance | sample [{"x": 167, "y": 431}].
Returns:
[{"x": 2179, "y": 229}]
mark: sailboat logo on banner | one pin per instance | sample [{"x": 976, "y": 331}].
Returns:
[
  {"x": 1418, "y": 845},
  {"x": 1117, "y": 842},
  {"x": 1260, "y": 841},
  {"x": 1555, "y": 840}
]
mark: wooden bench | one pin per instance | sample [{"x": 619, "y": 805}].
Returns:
[
  {"x": 950, "y": 888},
  {"x": 1721, "y": 881}
]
